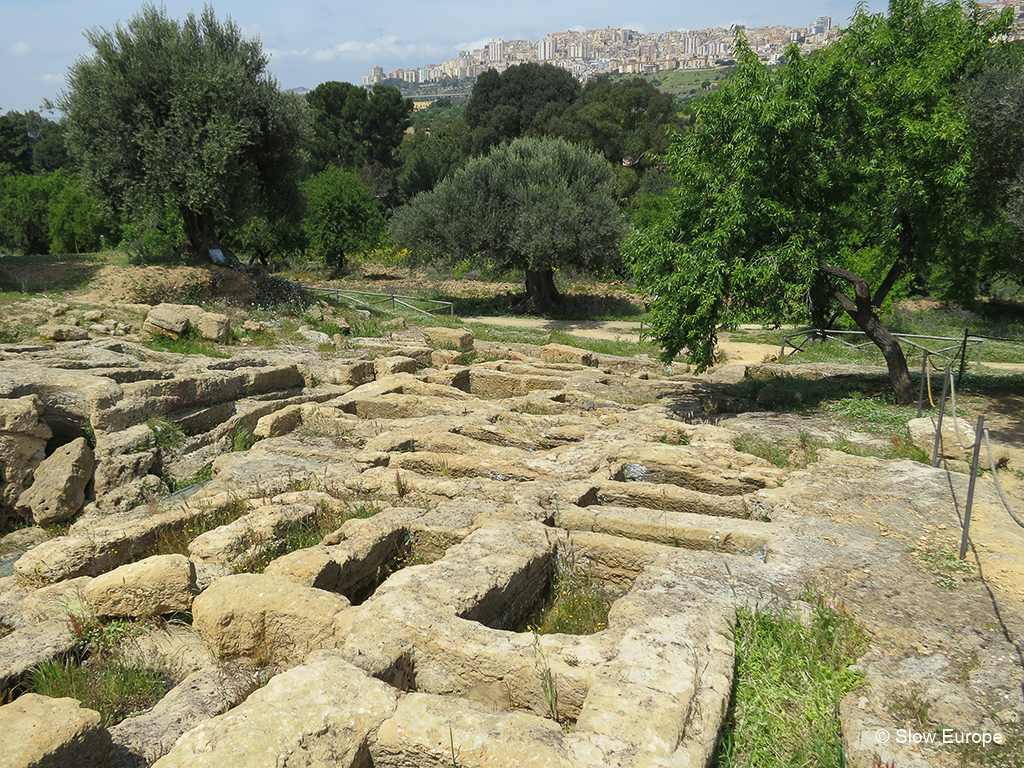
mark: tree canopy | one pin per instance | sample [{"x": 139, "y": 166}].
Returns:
[
  {"x": 831, "y": 181},
  {"x": 532, "y": 205},
  {"x": 341, "y": 217},
  {"x": 503, "y": 106},
  {"x": 167, "y": 115},
  {"x": 353, "y": 127}
]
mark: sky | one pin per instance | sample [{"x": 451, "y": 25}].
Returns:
[{"x": 313, "y": 41}]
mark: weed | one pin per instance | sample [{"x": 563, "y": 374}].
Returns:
[
  {"x": 241, "y": 439},
  {"x": 166, "y": 434},
  {"x": 548, "y": 685},
  {"x": 298, "y": 534},
  {"x": 910, "y": 709},
  {"x": 579, "y": 604},
  {"x": 175, "y": 541},
  {"x": 679, "y": 438},
  {"x": 789, "y": 678},
  {"x": 178, "y": 483},
  {"x": 950, "y": 571},
  {"x": 401, "y": 487},
  {"x": 762, "y": 447},
  {"x": 114, "y": 690},
  {"x": 186, "y": 345}
]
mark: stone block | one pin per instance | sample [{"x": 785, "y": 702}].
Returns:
[
  {"x": 448, "y": 338},
  {"x": 157, "y": 585},
  {"x": 322, "y": 713},
  {"x": 42, "y": 732},
  {"x": 386, "y": 366},
  {"x": 58, "y": 490},
  {"x": 272, "y": 617},
  {"x": 164, "y": 320},
  {"x": 562, "y": 353}
]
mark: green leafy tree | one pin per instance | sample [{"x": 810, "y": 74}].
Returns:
[
  {"x": 341, "y": 216},
  {"x": 75, "y": 222},
  {"x": 15, "y": 143},
  {"x": 429, "y": 163},
  {"x": 828, "y": 182},
  {"x": 353, "y": 127},
  {"x": 503, "y": 107},
  {"x": 532, "y": 205},
  {"x": 166, "y": 115},
  {"x": 996, "y": 112},
  {"x": 25, "y": 201}
]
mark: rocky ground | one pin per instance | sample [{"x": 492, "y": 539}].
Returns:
[{"x": 505, "y": 458}]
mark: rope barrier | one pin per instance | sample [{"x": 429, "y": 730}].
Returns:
[{"x": 984, "y": 433}]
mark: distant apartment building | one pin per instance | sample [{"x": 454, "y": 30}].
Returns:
[
  {"x": 546, "y": 49},
  {"x": 496, "y": 51}
]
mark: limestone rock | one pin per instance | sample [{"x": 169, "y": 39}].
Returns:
[
  {"x": 62, "y": 332},
  {"x": 140, "y": 740},
  {"x": 352, "y": 374},
  {"x": 320, "y": 715},
  {"x": 314, "y": 336},
  {"x": 954, "y": 432},
  {"x": 448, "y": 338},
  {"x": 562, "y": 353},
  {"x": 425, "y": 729},
  {"x": 386, "y": 366},
  {"x": 41, "y": 732},
  {"x": 266, "y": 616},
  {"x": 210, "y": 325},
  {"x": 58, "y": 490},
  {"x": 30, "y": 646},
  {"x": 23, "y": 437},
  {"x": 164, "y": 320},
  {"x": 158, "y": 585}
]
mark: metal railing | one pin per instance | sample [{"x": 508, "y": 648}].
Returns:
[
  {"x": 370, "y": 300},
  {"x": 825, "y": 333},
  {"x": 949, "y": 392}
]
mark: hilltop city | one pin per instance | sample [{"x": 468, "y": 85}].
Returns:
[{"x": 625, "y": 51}]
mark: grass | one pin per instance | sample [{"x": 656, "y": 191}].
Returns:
[
  {"x": 789, "y": 678},
  {"x": 762, "y": 447},
  {"x": 166, "y": 434},
  {"x": 578, "y": 603},
  {"x": 301, "y": 534},
  {"x": 114, "y": 690},
  {"x": 94, "y": 674},
  {"x": 186, "y": 345},
  {"x": 175, "y": 541}
]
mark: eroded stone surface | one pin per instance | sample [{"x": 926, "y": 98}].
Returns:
[
  {"x": 508, "y": 465},
  {"x": 41, "y": 732}
]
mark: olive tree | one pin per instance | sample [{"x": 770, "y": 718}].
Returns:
[
  {"x": 532, "y": 205},
  {"x": 165, "y": 115}
]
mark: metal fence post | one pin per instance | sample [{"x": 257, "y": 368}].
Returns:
[
  {"x": 963, "y": 359},
  {"x": 942, "y": 409},
  {"x": 920, "y": 392},
  {"x": 970, "y": 487}
]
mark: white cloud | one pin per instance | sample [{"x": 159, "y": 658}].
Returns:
[
  {"x": 59, "y": 79},
  {"x": 476, "y": 45},
  {"x": 382, "y": 47},
  {"x": 20, "y": 49}
]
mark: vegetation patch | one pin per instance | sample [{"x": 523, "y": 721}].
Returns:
[
  {"x": 300, "y": 534},
  {"x": 577, "y": 603},
  {"x": 115, "y": 690},
  {"x": 789, "y": 678},
  {"x": 175, "y": 541}
]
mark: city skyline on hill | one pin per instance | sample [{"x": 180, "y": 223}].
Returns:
[{"x": 310, "y": 42}]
